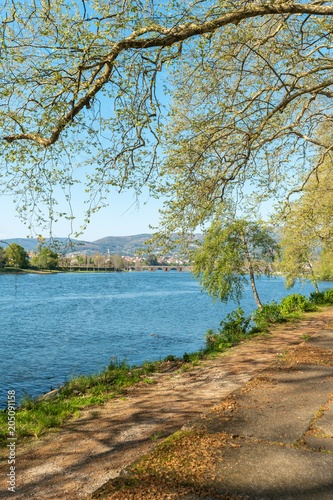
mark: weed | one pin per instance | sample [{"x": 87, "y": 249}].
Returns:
[
  {"x": 35, "y": 416},
  {"x": 317, "y": 298},
  {"x": 149, "y": 381},
  {"x": 155, "y": 437},
  {"x": 329, "y": 296},
  {"x": 170, "y": 358},
  {"x": 283, "y": 354},
  {"x": 232, "y": 330},
  {"x": 186, "y": 357}
]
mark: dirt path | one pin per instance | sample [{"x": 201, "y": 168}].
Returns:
[{"x": 85, "y": 453}]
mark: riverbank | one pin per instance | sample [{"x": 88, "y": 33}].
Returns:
[
  {"x": 271, "y": 439},
  {"x": 13, "y": 270},
  {"x": 24, "y": 271},
  {"x": 76, "y": 459}
]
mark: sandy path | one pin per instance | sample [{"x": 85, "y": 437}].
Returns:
[{"x": 80, "y": 457}]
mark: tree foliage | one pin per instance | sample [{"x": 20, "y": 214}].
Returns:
[
  {"x": 17, "y": 256},
  {"x": 117, "y": 262},
  {"x": 45, "y": 259},
  {"x": 151, "y": 260},
  {"x": 251, "y": 85},
  {"x": 3, "y": 258},
  {"x": 230, "y": 251},
  {"x": 323, "y": 267},
  {"x": 307, "y": 229}
]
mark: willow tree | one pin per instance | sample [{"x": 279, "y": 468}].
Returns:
[
  {"x": 324, "y": 266},
  {"x": 81, "y": 87},
  {"x": 307, "y": 228},
  {"x": 231, "y": 250}
]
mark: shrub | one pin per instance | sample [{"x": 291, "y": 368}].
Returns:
[
  {"x": 295, "y": 303},
  {"x": 270, "y": 313},
  {"x": 186, "y": 357},
  {"x": 235, "y": 324},
  {"x": 317, "y": 298},
  {"x": 170, "y": 357},
  {"x": 232, "y": 329},
  {"x": 329, "y": 296}
]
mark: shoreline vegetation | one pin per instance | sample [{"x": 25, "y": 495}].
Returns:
[
  {"x": 13, "y": 270},
  {"x": 35, "y": 416}
]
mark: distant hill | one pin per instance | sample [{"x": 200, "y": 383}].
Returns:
[{"x": 124, "y": 245}]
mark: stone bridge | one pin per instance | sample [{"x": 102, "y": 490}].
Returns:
[
  {"x": 144, "y": 267},
  {"x": 141, "y": 267}
]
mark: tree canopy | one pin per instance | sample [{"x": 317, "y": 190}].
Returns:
[
  {"x": 3, "y": 258},
  {"x": 251, "y": 84},
  {"x": 45, "y": 259},
  {"x": 151, "y": 260},
  {"x": 231, "y": 250},
  {"x": 17, "y": 256},
  {"x": 307, "y": 228}
]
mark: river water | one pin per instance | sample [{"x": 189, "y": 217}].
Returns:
[{"x": 54, "y": 326}]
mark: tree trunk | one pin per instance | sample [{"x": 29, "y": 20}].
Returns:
[
  {"x": 253, "y": 284},
  {"x": 314, "y": 281},
  {"x": 254, "y": 289}
]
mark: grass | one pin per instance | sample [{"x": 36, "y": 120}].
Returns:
[{"x": 35, "y": 416}]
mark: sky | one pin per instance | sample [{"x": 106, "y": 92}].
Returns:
[{"x": 121, "y": 218}]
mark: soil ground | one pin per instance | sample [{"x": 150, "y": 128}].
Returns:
[{"x": 87, "y": 454}]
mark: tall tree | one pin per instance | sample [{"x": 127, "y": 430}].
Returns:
[
  {"x": 298, "y": 260},
  {"x": 230, "y": 251},
  {"x": 151, "y": 260},
  {"x": 3, "y": 258},
  {"x": 117, "y": 262},
  {"x": 252, "y": 81},
  {"x": 45, "y": 259},
  {"x": 307, "y": 227},
  {"x": 17, "y": 256},
  {"x": 324, "y": 265}
]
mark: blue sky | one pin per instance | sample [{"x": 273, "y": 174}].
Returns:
[{"x": 121, "y": 218}]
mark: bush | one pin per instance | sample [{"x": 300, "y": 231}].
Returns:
[
  {"x": 234, "y": 325},
  {"x": 170, "y": 357},
  {"x": 232, "y": 329},
  {"x": 329, "y": 296},
  {"x": 186, "y": 357},
  {"x": 295, "y": 303},
  {"x": 270, "y": 313},
  {"x": 317, "y": 298}
]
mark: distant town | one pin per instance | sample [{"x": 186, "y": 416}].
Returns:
[{"x": 111, "y": 253}]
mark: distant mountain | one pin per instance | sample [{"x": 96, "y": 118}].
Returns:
[
  {"x": 124, "y": 245},
  {"x": 32, "y": 243}
]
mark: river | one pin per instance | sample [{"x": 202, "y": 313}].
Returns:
[{"x": 54, "y": 326}]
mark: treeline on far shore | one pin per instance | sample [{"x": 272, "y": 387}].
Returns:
[{"x": 14, "y": 258}]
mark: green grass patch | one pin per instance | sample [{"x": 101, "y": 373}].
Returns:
[{"x": 35, "y": 416}]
